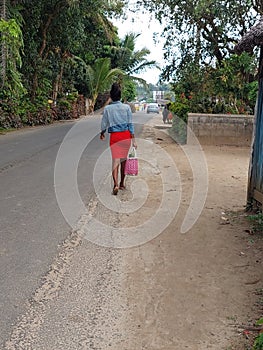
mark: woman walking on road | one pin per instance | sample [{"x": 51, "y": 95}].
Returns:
[{"x": 117, "y": 118}]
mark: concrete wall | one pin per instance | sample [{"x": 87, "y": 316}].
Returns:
[{"x": 220, "y": 129}]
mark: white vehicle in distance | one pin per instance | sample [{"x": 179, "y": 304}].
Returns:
[{"x": 153, "y": 108}]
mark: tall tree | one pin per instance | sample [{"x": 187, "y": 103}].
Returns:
[
  {"x": 200, "y": 30},
  {"x": 126, "y": 57},
  {"x": 123, "y": 54},
  {"x": 56, "y": 30}
]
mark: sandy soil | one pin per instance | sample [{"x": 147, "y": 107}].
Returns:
[{"x": 195, "y": 290}]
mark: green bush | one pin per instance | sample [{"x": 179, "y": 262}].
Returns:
[
  {"x": 9, "y": 120},
  {"x": 178, "y": 130},
  {"x": 180, "y": 109},
  {"x": 72, "y": 96},
  {"x": 252, "y": 92},
  {"x": 257, "y": 222},
  {"x": 16, "y": 114},
  {"x": 258, "y": 344}
]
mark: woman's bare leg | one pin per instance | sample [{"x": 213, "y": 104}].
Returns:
[
  {"x": 122, "y": 173},
  {"x": 115, "y": 170}
]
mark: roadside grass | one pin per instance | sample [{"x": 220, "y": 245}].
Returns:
[
  {"x": 255, "y": 236},
  {"x": 256, "y": 221},
  {"x": 4, "y": 131},
  {"x": 258, "y": 343}
]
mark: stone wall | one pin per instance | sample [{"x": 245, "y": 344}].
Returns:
[{"x": 221, "y": 129}]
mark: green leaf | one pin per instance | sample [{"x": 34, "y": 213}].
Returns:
[{"x": 259, "y": 322}]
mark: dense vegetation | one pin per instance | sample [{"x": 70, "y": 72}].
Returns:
[
  {"x": 56, "y": 52},
  {"x": 199, "y": 50}
]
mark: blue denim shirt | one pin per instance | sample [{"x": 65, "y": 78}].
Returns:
[{"x": 117, "y": 116}]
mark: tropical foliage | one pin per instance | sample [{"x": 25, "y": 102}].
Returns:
[
  {"x": 55, "y": 49},
  {"x": 99, "y": 78},
  {"x": 125, "y": 56},
  {"x": 11, "y": 40},
  {"x": 199, "y": 51}
]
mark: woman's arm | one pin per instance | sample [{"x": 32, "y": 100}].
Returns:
[
  {"x": 102, "y": 136},
  {"x": 131, "y": 127},
  {"x": 104, "y": 124},
  {"x": 134, "y": 144}
]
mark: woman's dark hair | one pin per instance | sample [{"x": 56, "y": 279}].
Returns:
[{"x": 115, "y": 92}]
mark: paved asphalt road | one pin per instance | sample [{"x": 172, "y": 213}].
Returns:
[{"x": 32, "y": 226}]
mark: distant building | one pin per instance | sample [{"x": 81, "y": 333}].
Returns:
[{"x": 158, "y": 95}]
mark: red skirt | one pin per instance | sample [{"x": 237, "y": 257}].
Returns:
[{"x": 120, "y": 143}]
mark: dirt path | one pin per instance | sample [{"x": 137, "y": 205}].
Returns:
[
  {"x": 194, "y": 290},
  {"x": 176, "y": 291}
]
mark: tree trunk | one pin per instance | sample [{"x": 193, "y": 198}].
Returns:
[
  {"x": 60, "y": 76},
  {"x": 55, "y": 90},
  {"x": 57, "y": 85},
  {"x": 41, "y": 52},
  {"x": 34, "y": 85}
]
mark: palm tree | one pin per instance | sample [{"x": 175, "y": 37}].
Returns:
[
  {"x": 131, "y": 61},
  {"x": 99, "y": 78}
]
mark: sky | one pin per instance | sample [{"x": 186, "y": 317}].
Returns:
[{"x": 141, "y": 23}]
